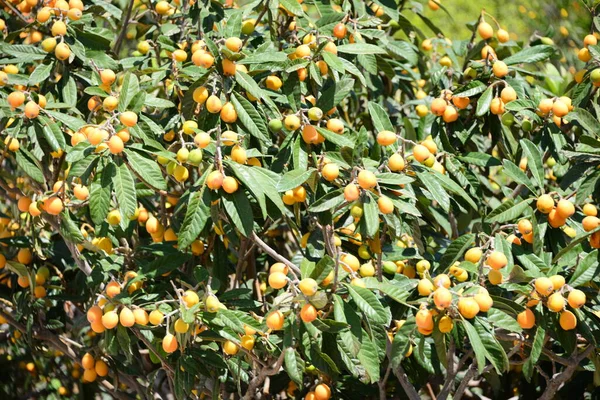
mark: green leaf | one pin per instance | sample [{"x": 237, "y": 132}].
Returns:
[
  {"x": 335, "y": 93},
  {"x": 239, "y": 210},
  {"x": 360, "y": 48},
  {"x": 437, "y": 191},
  {"x": 480, "y": 159},
  {"x": 196, "y": 216},
  {"x": 41, "y": 73},
  {"x": 292, "y": 6},
  {"x": 27, "y": 163},
  {"x": 158, "y": 103},
  {"x": 292, "y": 365},
  {"x": 52, "y": 133},
  {"x": 293, "y": 179},
  {"x": 536, "y": 351},
  {"x": 340, "y": 140},
  {"x": 380, "y": 118},
  {"x": 585, "y": 119},
  {"x": 586, "y": 270},
  {"x": 494, "y": 351},
  {"x": 333, "y": 61},
  {"x": 328, "y": 202},
  {"x": 534, "y": 160},
  {"x": 147, "y": 169},
  {"x": 508, "y": 211},
  {"x": 470, "y": 89},
  {"x": 530, "y": 55},
  {"x": 246, "y": 81},
  {"x": 69, "y": 229},
  {"x": 401, "y": 342},
  {"x": 250, "y": 118},
  {"x": 100, "y": 191},
  {"x": 456, "y": 249},
  {"x": 483, "y": 104},
  {"x": 129, "y": 89},
  {"x": 369, "y": 359},
  {"x": 71, "y": 122},
  {"x": 453, "y": 187},
  {"x": 370, "y": 215},
  {"x": 125, "y": 191},
  {"x": 518, "y": 175},
  {"x": 368, "y": 303},
  {"x": 476, "y": 344}
]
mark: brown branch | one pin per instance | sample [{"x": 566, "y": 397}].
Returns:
[
  {"x": 270, "y": 251},
  {"x": 408, "y": 387},
  {"x": 123, "y": 32},
  {"x": 558, "y": 380},
  {"x": 260, "y": 378}
]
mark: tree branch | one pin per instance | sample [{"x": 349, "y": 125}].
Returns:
[{"x": 408, "y": 387}]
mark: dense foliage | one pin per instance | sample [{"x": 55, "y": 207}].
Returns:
[{"x": 284, "y": 199}]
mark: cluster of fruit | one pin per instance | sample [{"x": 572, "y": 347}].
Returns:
[{"x": 550, "y": 291}]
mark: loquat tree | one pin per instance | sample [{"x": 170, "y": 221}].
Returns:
[{"x": 287, "y": 199}]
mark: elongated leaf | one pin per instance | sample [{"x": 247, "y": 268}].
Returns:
[
  {"x": 475, "y": 341},
  {"x": 530, "y": 55},
  {"x": 368, "y": 303},
  {"x": 129, "y": 89},
  {"x": 250, "y": 118},
  {"x": 41, "y": 73},
  {"x": 328, "y": 202},
  {"x": 25, "y": 161},
  {"x": 380, "y": 118},
  {"x": 147, "y": 169},
  {"x": 369, "y": 359},
  {"x": 246, "y": 81},
  {"x": 100, "y": 192},
  {"x": 586, "y": 270},
  {"x": 293, "y": 179},
  {"x": 483, "y": 104},
  {"x": 69, "y": 229},
  {"x": 292, "y": 365},
  {"x": 508, "y": 211},
  {"x": 197, "y": 213},
  {"x": 239, "y": 210},
  {"x": 340, "y": 140},
  {"x": 360, "y": 48},
  {"x": 518, "y": 175},
  {"x": 534, "y": 160},
  {"x": 536, "y": 351},
  {"x": 370, "y": 215},
  {"x": 435, "y": 188},
  {"x": 456, "y": 249},
  {"x": 470, "y": 89},
  {"x": 125, "y": 191},
  {"x": 585, "y": 119}
]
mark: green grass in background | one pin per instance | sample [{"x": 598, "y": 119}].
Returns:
[{"x": 520, "y": 17}]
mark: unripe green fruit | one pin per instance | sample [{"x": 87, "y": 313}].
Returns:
[
  {"x": 389, "y": 267},
  {"x": 430, "y": 161},
  {"x": 275, "y": 125},
  {"x": 547, "y": 40},
  {"x": 508, "y": 119},
  {"x": 526, "y": 125},
  {"x": 171, "y": 167},
  {"x": 470, "y": 73},
  {"x": 595, "y": 75},
  {"x": 183, "y": 154},
  {"x": 356, "y": 211},
  {"x": 315, "y": 114},
  {"x": 195, "y": 157},
  {"x": 248, "y": 26},
  {"x": 550, "y": 162}
]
